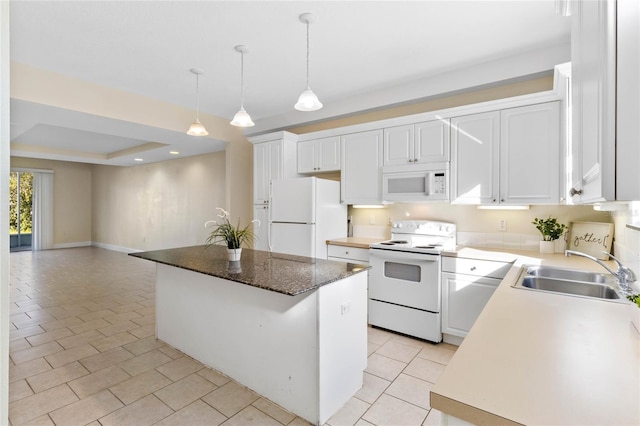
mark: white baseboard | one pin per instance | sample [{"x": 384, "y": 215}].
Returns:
[
  {"x": 115, "y": 248},
  {"x": 73, "y": 244}
]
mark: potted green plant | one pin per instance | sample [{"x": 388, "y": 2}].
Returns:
[
  {"x": 551, "y": 230},
  {"x": 231, "y": 236}
]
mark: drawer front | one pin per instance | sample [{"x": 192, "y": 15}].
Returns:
[
  {"x": 352, "y": 253},
  {"x": 482, "y": 268}
]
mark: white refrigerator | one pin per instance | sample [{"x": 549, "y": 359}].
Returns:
[{"x": 305, "y": 213}]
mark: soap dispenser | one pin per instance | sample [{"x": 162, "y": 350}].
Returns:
[{"x": 349, "y": 226}]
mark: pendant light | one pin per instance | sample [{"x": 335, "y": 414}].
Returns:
[
  {"x": 308, "y": 101},
  {"x": 242, "y": 118},
  {"x": 197, "y": 129}
]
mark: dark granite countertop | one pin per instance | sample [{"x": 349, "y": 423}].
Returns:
[{"x": 286, "y": 274}]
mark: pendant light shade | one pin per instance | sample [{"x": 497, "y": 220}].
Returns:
[
  {"x": 196, "y": 128},
  {"x": 308, "y": 101},
  {"x": 242, "y": 117}
]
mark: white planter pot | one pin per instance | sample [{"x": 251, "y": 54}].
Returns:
[
  {"x": 234, "y": 254},
  {"x": 547, "y": 246}
]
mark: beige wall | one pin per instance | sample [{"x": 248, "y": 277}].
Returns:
[
  {"x": 71, "y": 198},
  {"x": 49, "y": 88},
  {"x": 159, "y": 205}
]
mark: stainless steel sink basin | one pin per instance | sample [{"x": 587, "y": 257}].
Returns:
[
  {"x": 567, "y": 274},
  {"x": 570, "y": 282},
  {"x": 578, "y": 288}
]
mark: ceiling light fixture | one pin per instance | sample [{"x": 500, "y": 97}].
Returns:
[
  {"x": 242, "y": 118},
  {"x": 197, "y": 129},
  {"x": 308, "y": 101}
]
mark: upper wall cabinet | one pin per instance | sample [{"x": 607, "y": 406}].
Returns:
[
  {"x": 593, "y": 54},
  {"x": 475, "y": 158},
  {"x": 319, "y": 155},
  {"x": 272, "y": 159},
  {"x": 361, "y": 163},
  {"x": 628, "y": 100},
  {"x": 507, "y": 157},
  {"x": 416, "y": 143}
]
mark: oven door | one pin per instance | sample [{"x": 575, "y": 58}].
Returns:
[{"x": 406, "y": 279}]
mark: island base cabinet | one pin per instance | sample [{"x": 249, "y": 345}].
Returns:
[{"x": 306, "y": 353}]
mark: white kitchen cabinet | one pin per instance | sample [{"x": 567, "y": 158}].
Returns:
[
  {"x": 261, "y": 213},
  {"x": 510, "y": 156},
  {"x": 361, "y": 159},
  {"x": 274, "y": 157},
  {"x": 348, "y": 254},
  {"x": 319, "y": 155},
  {"x": 416, "y": 143},
  {"x": 530, "y": 154},
  {"x": 628, "y": 100},
  {"x": 593, "y": 56},
  {"x": 467, "y": 286},
  {"x": 267, "y": 165},
  {"x": 475, "y": 158}
]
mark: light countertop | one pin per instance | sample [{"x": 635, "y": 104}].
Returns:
[
  {"x": 544, "y": 359},
  {"x": 356, "y": 242}
]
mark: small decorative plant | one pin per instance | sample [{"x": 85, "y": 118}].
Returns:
[
  {"x": 232, "y": 236},
  {"x": 550, "y": 228}
]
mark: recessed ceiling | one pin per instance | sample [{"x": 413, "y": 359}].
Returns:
[{"x": 364, "y": 55}]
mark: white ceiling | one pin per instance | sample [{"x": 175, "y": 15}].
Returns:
[{"x": 364, "y": 55}]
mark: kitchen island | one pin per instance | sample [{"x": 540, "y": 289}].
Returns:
[
  {"x": 288, "y": 327},
  {"x": 543, "y": 359}
]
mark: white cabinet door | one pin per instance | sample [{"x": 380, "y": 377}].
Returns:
[
  {"x": 463, "y": 298},
  {"x": 361, "y": 162},
  {"x": 398, "y": 145},
  {"x": 475, "y": 158},
  {"x": 261, "y": 213},
  {"x": 628, "y": 100},
  {"x": 530, "y": 154},
  {"x": 307, "y": 156},
  {"x": 432, "y": 141},
  {"x": 261, "y": 173},
  {"x": 328, "y": 154},
  {"x": 319, "y": 155},
  {"x": 593, "y": 57}
]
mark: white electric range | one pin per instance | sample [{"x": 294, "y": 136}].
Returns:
[{"x": 404, "y": 282}]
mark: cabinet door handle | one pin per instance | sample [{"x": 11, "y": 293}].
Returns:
[
  {"x": 574, "y": 191},
  {"x": 415, "y": 160},
  {"x": 346, "y": 252},
  {"x": 473, "y": 268}
]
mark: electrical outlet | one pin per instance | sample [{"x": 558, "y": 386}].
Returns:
[
  {"x": 372, "y": 219},
  {"x": 345, "y": 308},
  {"x": 389, "y": 222},
  {"x": 502, "y": 225}
]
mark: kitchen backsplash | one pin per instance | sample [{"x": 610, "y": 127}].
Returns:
[
  {"x": 626, "y": 245},
  {"x": 475, "y": 227}
]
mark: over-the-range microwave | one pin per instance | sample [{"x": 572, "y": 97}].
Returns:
[{"x": 416, "y": 182}]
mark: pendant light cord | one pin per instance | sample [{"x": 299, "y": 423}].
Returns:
[
  {"x": 242, "y": 80},
  {"x": 308, "y": 87},
  {"x": 197, "y": 97}
]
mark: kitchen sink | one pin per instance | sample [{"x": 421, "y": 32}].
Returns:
[
  {"x": 567, "y": 274},
  {"x": 578, "y": 288},
  {"x": 570, "y": 282}
]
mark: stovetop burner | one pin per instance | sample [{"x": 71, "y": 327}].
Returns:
[
  {"x": 419, "y": 236},
  {"x": 394, "y": 242}
]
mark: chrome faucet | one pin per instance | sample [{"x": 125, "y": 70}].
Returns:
[{"x": 624, "y": 275}]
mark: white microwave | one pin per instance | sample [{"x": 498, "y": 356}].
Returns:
[{"x": 425, "y": 182}]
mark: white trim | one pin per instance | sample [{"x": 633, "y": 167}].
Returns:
[
  {"x": 73, "y": 244},
  {"x": 4, "y": 210},
  {"x": 115, "y": 248},
  {"x": 28, "y": 170}
]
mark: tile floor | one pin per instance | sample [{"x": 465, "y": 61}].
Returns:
[{"x": 83, "y": 352}]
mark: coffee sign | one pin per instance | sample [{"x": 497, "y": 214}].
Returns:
[{"x": 591, "y": 238}]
